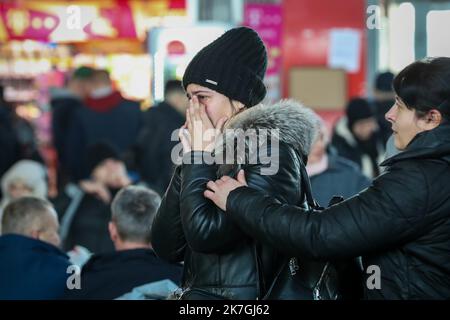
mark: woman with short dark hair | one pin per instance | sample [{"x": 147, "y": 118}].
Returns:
[{"x": 400, "y": 225}]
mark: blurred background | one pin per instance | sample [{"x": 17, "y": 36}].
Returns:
[{"x": 322, "y": 52}]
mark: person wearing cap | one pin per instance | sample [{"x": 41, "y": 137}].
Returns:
[
  {"x": 400, "y": 225},
  {"x": 356, "y": 137},
  {"x": 224, "y": 83},
  {"x": 84, "y": 208}
]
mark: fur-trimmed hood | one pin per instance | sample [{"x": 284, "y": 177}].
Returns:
[
  {"x": 296, "y": 123},
  {"x": 287, "y": 122}
]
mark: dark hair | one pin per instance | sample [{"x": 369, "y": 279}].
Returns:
[
  {"x": 133, "y": 210},
  {"x": 23, "y": 214},
  {"x": 173, "y": 86},
  {"x": 425, "y": 85},
  {"x": 235, "y": 109}
]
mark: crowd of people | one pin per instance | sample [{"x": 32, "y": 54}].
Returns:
[{"x": 139, "y": 225}]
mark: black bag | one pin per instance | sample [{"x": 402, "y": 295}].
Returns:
[{"x": 300, "y": 279}]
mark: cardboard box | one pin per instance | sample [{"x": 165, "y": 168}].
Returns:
[{"x": 320, "y": 88}]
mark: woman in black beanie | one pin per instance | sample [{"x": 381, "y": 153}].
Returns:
[{"x": 224, "y": 82}]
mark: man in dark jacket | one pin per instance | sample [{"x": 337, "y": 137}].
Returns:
[
  {"x": 31, "y": 265},
  {"x": 154, "y": 145},
  {"x": 107, "y": 117},
  {"x": 400, "y": 225},
  {"x": 133, "y": 264},
  {"x": 64, "y": 103}
]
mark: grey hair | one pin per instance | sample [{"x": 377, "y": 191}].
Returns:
[
  {"x": 23, "y": 215},
  {"x": 133, "y": 210}
]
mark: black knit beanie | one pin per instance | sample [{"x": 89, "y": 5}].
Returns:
[
  {"x": 358, "y": 109},
  {"x": 233, "y": 65},
  {"x": 98, "y": 152}
]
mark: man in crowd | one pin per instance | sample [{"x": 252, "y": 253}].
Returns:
[
  {"x": 133, "y": 263},
  {"x": 154, "y": 145},
  {"x": 64, "y": 103},
  {"x": 107, "y": 117},
  {"x": 31, "y": 264},
  {"x": 327, "y": 171}
]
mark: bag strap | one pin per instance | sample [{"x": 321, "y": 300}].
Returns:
[
  {"x": 306, "y": 187},
  {"x": 311, "y": 203}
]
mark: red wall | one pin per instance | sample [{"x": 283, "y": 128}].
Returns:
[{"x": 310, "y": 48}]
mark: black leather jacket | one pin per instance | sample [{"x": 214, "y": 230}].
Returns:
[
  {"x": 400, "y": 224},
  {"x": 218, "y": 256}
]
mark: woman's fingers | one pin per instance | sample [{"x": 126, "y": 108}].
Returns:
[
  {"x": 212, "y": 186},
  {"x": 241, "y": 177},
  {"x": 209, "y": 194},
  {"x": 195, "y": 109},
  {"x": 188, "y": 119},
  {"x": 204, "y": 117}
]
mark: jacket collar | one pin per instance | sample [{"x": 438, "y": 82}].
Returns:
[
  {"x": 110, "y": 259},
  {"x": 432, "y": 144},
  {"x": 23, "y": 243}
]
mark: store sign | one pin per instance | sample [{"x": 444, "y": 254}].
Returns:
[
  {"x": 66, "y": 22},
  {"x": 176, "y": 47},
  {"x": 266, "y": 20},
  {"x": 73, "y": 21}
]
